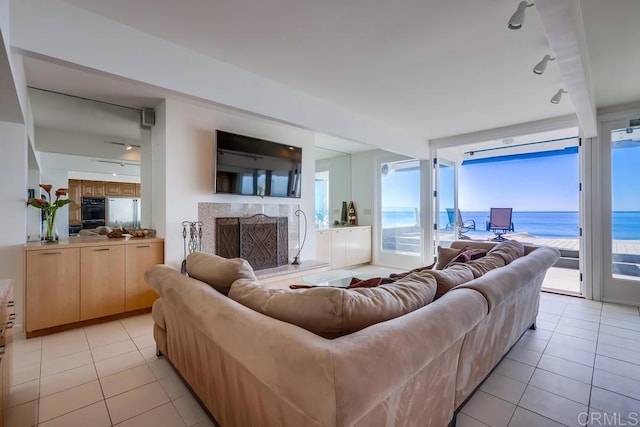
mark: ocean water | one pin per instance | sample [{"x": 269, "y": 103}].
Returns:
[{"x": 626, "y": 225}]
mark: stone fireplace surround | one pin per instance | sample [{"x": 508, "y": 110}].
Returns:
[{"x": 208, "y": 212}]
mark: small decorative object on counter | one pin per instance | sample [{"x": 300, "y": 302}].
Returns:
[
  {"x": 49, "y": 210},
  {"x": 343, "y": 214},
  {"x": 352, "y": 214}
]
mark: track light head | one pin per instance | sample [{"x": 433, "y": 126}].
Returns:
[
  {"x": 517, "y": 19},
  {"x": 555, "y": 99},
  {"x": 542, "y": 65}
]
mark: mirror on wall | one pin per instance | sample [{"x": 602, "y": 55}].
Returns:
[{"x": 332, "y": 185}]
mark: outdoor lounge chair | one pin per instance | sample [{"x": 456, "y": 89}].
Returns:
[
  {"x": 500, "y": 222},
  {"x": 463, "y": 226}
]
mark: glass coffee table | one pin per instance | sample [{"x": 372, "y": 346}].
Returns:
[{"x": 334, "y": 278}]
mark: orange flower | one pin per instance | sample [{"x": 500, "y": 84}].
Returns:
[
  {"x": 37, "y": 203},
  {"x": 61, "y": 192},
  {"x": 46, "y": 187}
]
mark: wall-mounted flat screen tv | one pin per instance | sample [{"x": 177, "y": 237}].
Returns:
[{"x": 256, "y": 167}]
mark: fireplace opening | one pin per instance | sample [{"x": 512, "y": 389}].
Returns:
[{"x": 260, "y": 239}]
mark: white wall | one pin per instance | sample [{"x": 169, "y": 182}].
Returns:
[
  {"x": 13, "y": 175},
  {"x": 189, "y": 140},
  {"x": 339, "y": 168}
]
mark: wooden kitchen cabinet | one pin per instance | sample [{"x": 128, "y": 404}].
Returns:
[
  {"x": 93, "y": 188},
  {"x": 139, "y": 257},
  {"x": 138, "y": 191},
  {"x": 112, "y": 188},
  {"x": 102, "y": 281},
  {"x": 53, "y": 287},
  {"x": 127, "y": 189},
  {"x": 75, "y": 195}
]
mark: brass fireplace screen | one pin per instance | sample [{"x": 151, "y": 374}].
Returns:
[{"x": 260, "y": 239}]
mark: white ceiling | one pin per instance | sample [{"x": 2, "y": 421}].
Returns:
[{"x": 433, "y": 67}]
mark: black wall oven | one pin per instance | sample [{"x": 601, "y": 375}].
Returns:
[{"x": 93, "y": 212}]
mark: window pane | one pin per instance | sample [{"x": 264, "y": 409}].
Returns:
[
  {"x": 322, "y": 217},
  {"x": 625, "y": 203},
  {"x": 400, "y": 201}
]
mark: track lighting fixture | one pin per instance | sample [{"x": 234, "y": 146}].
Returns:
[
  {"x": 517, "y": 19},
  {"x": 542, "y": 65},
  {"x": 555, "y": 99}
]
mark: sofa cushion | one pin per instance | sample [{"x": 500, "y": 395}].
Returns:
[
  {"x": 508, "y": 250},
  {"x": 369, "y": 283},
  {"x": 332, "y": 312},
  {"x": 450, "y": 277},
  {"x": 467, "y": 254},
  {"x": 445, "y": 255},
  {"x": 487, "y": 263},
  {"x": 218, "y": 272}
]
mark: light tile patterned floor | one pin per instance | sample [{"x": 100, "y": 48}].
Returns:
[
  {"x": 98, "y": 376},
  {"x": 582, "y": 361},
  {"x": 584, "y": 358}
]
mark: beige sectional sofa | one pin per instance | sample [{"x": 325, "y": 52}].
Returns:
[{"x": 250, "y": 369}]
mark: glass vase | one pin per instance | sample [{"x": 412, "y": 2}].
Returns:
[{"x": 49, "y": 231}]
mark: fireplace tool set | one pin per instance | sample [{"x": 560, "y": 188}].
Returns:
[{"x": 193, "y": 243}]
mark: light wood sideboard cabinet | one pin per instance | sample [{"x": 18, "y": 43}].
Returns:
[
  {"x": 344, "y": 246},
  {"x": 139, "y": 258},
  {"x": 102, "y": 281},
  {"x": 87, "y": 279},
  {"x": 53, "y": 287}
]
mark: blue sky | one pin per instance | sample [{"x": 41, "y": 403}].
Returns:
[
  {"x": 530, "y": 184},
  {"x": 626, "y": 179},
  {"x": 533, "y": 184}
]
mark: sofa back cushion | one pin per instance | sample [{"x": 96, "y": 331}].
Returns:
[
  {"x": 333, "y": 312},
  {"x": 218, "y": 272},
  {"x": 508, "y": 250},
  {"x": 481, "y": 266},
  {"x": 445, "y": 255},
  {"x": 450, "y": 277}
]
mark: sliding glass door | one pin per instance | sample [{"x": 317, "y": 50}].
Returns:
[
  {"x": 399, "y": 214},
  {"x": 620, "y": 153}
]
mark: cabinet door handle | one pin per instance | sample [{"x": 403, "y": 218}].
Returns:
[
  {"x": 9, "y": 325},
  {"x": 143, "y": 246},
  {"x": 53, "y": 253},
  {"x": 102, "y": 249},
  {"x": 12, "y": 316},
  {"x": 11, "y": 303}
]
